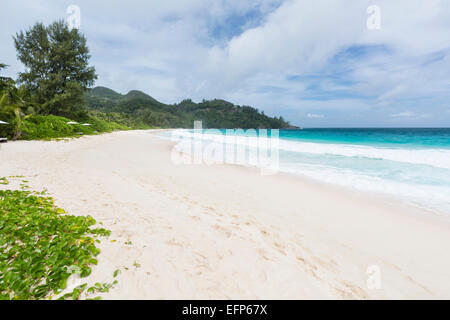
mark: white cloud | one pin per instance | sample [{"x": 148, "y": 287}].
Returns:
[
  {"x": 315, "y": 116},
  {"x": 410, "y": 115},
  {"x": 406, "y": 114}
]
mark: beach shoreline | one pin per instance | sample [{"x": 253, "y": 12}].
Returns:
[{"x": 225, "y": 231}]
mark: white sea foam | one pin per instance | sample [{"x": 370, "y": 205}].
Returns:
[
  {"x": 439, "y": 158},
  {"x": 434, "y": 157},
  {"x": 427, "y": 196}
]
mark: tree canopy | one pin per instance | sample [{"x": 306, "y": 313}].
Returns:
[{"x": 57, "y": 71}]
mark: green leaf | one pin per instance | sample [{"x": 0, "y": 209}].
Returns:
[{"x": 41, "y": 247}]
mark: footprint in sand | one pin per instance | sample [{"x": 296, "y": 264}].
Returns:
[
  {"x": 263, "y": 254},
  {"x": 281, "y": 248},
  {"x": 351, "y": 291},
  {"x": 223, "y": 230},
  {"x": 209, "y": 210},
  {"x": 173, "y": 242}
]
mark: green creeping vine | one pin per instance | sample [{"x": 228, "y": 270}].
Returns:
[
  {"x": 97, "y": 287},
  {"x": 41, "y": 246}
]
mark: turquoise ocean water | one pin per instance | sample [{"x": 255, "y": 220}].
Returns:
[{"x": 409, "y": 163}]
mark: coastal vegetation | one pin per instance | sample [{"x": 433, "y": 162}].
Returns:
[
  {"x": 41, "y": 245},
  {"x": 53, "y": 127},
  {"x": 23, "y": 122},
  {"x": 50, "y": 93},
  {"x": 137, "y": 109},
  {"x": 57, "y": 71}
]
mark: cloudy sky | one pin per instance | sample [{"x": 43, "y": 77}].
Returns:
[{"x": 315, "y": 62}]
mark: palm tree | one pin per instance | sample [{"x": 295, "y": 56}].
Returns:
[
  {"x": 12, "y": 110},
  {"x": 12, "y": 104},
  {"x": 4, "y": 81}
]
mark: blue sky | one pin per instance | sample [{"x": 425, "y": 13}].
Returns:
[{"x": 314, "y": 62}]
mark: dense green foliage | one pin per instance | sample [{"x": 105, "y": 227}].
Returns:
[
  {"x": 41, "y": 246},
  {"x": 139, "y": 109},
  {"x": 13, "y": 104},
  {"x": 50, "y": 127},
  {"x": 25, "y": 122},
  {"x": 3, "y": 80},
  {"x": 57, "y": 70},
  {"x": 123, "y": 119}
]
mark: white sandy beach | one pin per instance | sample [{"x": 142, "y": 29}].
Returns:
[{"x": 227, "y": 232}]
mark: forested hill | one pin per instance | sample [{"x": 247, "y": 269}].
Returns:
[{"x": 137, "y": 109}]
